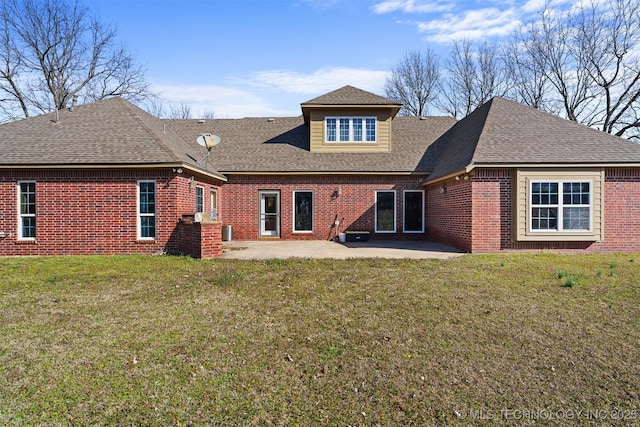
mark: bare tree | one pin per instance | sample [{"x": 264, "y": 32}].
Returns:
[
  {"x": 529, "y": 82},
  {"x": 413, "y": 82},
  {"x": 181, "y": 111},
  {"x": 53, "y": 52},
  {"x": 609, "y": 41},
  {"x": 475, "y": 74},
  {"x": 208, "y": 115},
  {"x": 590, "y": 56}
]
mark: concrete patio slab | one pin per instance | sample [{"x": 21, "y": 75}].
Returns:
[{"x": 282, "y": 249}]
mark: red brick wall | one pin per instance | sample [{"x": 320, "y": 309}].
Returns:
[
  {"x": 491, "y": 202},
  {"x": 239, "y": 204},
  {"x": 93, "y": 211},
  {"x": 449, "y": 213},
  {"x": 200, "y": 240},
  {"x": 476, "y": 215},
  {"x": 622, "y": 211}
]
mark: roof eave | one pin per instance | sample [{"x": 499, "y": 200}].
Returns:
[
  {"x": 325, "y": 172},
  {"x": 395, "y": 108},
  {"x": 468, "y": 169},
  {"x": 84, "y": 166}
]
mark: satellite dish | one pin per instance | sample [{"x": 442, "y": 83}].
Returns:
[{"x": 207, "y": 140}]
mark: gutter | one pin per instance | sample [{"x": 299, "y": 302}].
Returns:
[
  {"x": 185, "y": 166},
  {"x": 472, "y": 166}
]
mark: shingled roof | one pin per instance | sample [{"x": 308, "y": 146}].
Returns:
[
  {"x": 104, "y": 133},
  {"x": 503, "y": 132},
  {"x": 263, "y": 145},
  {"x": 500, "y": 133},
  {"x": 349, "y": 95}
]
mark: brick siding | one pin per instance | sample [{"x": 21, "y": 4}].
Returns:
[
  {"x": 93, "y": 211},
  {"x": 476, "y": 215},
  {"x": 449, "y": 213},
  {"x": 347, "y": 198}
]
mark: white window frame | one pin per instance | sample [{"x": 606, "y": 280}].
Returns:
[
  {"x": 395, "y": 213},
  {"x": 213, "y": 203},
  {"x": 404, "y": 204},
  {"x": 140, "y": 215},
  {"x": 365, "y": 135},
  {"x": 293, "y": 201},
  {"x": 560, "y": 206},
  {"x": 21, "y": 216},
  {"x": 199, "y": 198}
]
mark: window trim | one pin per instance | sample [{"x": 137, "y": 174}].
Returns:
[
  {"x": 139, "y": 214},
  {"x": 521, "y": 189},
  {"x": 213, "y": 210},
  {"x": 560, "y": 206},
  {"x": 404, "y": 218},
  {"x": 293, "y": 213},
  {"x": 395, "y": 212},
  {"x": 200, "y": 203},
  {"x": 21, "y": 215},
  {"x": 351, "y": 140}
]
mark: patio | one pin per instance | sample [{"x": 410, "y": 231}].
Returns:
[{"x": 250, "y": 249}]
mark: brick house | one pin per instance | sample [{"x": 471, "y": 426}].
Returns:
[
  {"x": 109, "y": 178},
  {"x": 105, "y": 178}
]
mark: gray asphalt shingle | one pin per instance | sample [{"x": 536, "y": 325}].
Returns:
[
  {"x": 107, "y": 132},
  {"x": 349, "y": 95},
  {"x": 501, "y": 132},
  {"x": 282, "y": 145}
]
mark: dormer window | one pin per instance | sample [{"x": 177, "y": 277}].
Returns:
[{"x": 350, "y": 129}]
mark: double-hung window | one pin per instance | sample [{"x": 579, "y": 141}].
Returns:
[
  {"x": 146, "y": 210},
  {"x": 561, "y": 205},
  {"x": 350, "y": 129},
  {"x": 27, "y": 210},
  {"x": 199, "y": 199}
]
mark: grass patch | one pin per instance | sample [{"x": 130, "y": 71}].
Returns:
[{"x": 177, "y": 341}]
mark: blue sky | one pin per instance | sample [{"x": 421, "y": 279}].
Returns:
[{"x": 263, "y": 58}]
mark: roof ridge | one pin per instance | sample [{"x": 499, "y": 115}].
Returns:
[
  {"x": 339, "y": 97},
  {"x": 481, "y": 135},
  {"x": 159, "y": 138}
]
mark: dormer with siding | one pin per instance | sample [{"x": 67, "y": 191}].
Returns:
[{"x": 350, "y": 120}]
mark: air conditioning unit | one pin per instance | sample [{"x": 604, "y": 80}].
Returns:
[{"x": 201, "y": 217}]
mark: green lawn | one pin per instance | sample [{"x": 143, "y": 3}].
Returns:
[{"x": 177, "y": 341}]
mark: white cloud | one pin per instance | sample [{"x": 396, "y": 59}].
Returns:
[
  {"x": 223, "y": 102},
  {"x": 535, "y": 6},
  {"x": 267, "y": 93},
  {"x": 318, "y": 82},
  {"x": 472, "y": 25},
  {"x": 411, "y": 6}
]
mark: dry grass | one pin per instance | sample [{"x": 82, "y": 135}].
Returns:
[{"x": 168, "y": 341}]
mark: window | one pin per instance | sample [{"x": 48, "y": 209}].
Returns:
[
  {"x": 413, "y": 211},
  {"x": 27, "y": 210},
  {"x": 350, "y": 129},
  {"x": 561, "y": 206},
  {"x": 385, "y": 212},
  {"x": 214, "y": 204},
  {"x": 371, "y": 129},
  {"x": 199, "y": 199},
  {"x": 302, "y": 211},
  {"x": 146, "y": 210}
]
